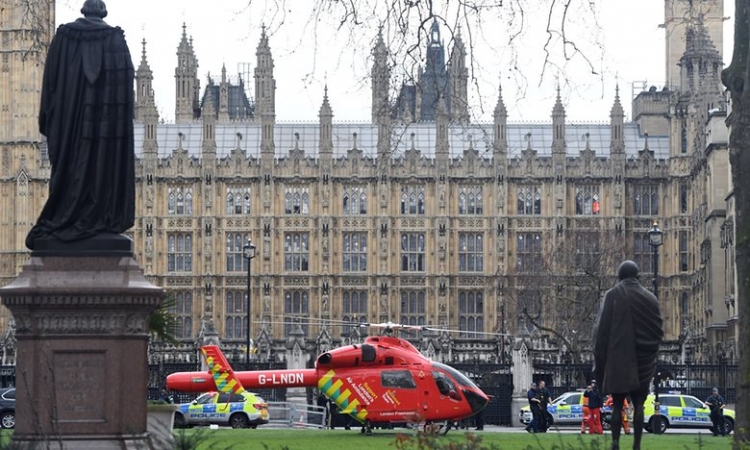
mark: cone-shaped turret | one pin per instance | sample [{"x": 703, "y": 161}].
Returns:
[
  {"x": 186, "y": 79},
  {"x": 326, "y": 126},
  {"x": 265, "y": 84},
  {"x": 617, "y": 124},
  {"x": 380, "y": 79},
  {"x": 144, "y": 93},
  {"x": 558, "y": 125},
  {"x": 459, "y": 77}
]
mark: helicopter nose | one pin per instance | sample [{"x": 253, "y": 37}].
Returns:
[{"x": 477, "y": 401}]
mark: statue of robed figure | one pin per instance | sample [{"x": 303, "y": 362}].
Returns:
[{"x": 86, "y": 114}]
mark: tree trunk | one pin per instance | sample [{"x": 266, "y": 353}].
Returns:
[{"x": 735, "y": 78}]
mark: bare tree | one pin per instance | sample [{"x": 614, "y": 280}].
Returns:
[
  {"x": 561, "y": 291},
  {"x": 571, "y": 27}
]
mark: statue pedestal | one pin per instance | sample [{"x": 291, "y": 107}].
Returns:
[{"x": 81, "y": 370}]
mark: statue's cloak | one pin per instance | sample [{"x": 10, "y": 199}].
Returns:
[
  {"x": 627, "y": 336},
  {"x": 87, "y": 116}
]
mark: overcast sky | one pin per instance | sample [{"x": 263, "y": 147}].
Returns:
[{"x": 627, "y": 47}]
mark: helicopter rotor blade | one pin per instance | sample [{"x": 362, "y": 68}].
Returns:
[{"x": 385, "y": 325}]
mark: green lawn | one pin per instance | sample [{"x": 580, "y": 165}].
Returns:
[{"x": 285, "y": 439}]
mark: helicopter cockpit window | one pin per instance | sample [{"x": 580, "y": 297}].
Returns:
[
  {"x": 398, "y": 379},
  {"x": 458, "y": 376},
  {"x": 444, "y": 384},
  {"x": 368, "y": 353}
]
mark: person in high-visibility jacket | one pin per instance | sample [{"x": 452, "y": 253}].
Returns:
[
  {"x": 625, "y": 406},
  {"x": 585, "y": 420}
]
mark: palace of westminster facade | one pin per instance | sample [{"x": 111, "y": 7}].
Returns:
[{"x": 419, "y": 217}]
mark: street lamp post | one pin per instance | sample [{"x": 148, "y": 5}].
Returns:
[
  {"x": 248, "y": 252},
  {"x": 655, "y": 241}
]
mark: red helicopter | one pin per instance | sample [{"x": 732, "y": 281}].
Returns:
[{"x": 385, "y": 380}]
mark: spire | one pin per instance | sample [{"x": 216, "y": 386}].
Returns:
[
  {"x": 223, "y": 95},
  {"x": 500, "y": 138},
  {"x": 617, "y": 126},
  {"x": 144, "y": 67},
  {"x": 144, "y": 92},
  {"x": 617, "y": 110},
  {"x": 459, "y": 81},
  {"x": 380, "y": 78},
  {"x": 326, "y": 125},
  {"x": 265, "y": 84},
  {"x": 186, "y": 80},
  {"x": 325, "y": 108},
  {"x": 380, "y": 50},
  {"x": 500, "y": 110},
  {"x": 559, "y": 109},
  {"x": 558, "y": 126},
  {"x": 263, "y": 44}
]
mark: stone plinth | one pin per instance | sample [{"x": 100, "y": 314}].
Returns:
[{"x": 81, "y": 370}]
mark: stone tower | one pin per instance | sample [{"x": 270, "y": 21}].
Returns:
[
  {"x": 459, "y": 78},
  {"x": 678, "y": 15},
  {"x": 27, "y": 29},
  {"x": 186, "y": 80},
  {"x": 381, "y": 76}
]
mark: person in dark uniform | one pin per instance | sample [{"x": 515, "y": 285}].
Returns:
[
  {"x": 536, "y": 410},
  {"x": 545, "y": 398},
  {"x": 716, "y": 403},
  {"x": 322, "y": 402}
]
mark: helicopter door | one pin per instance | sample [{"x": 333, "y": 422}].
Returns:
[{"x": 400, "y": 389}]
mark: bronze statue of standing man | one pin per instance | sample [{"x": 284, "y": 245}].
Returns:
[
  {"x": 87, "y": 116},
  {"x": 627, "y": 336}
]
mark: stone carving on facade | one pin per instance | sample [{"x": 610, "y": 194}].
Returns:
[
  {"x": 81, "y": 323},
  {"x": 6, "y": 160},
  {"x": 149, "y": 247},
  {"x": 150, "y": 196},
  {"x": 136, "y": 323},
  {"x": 266, "y": 238}
]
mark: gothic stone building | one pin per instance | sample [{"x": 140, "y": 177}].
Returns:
[{"x": 420, "y": 216}]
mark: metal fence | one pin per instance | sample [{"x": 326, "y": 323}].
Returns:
[
  {"x": 699, "y": 379},
  {"x": 561, "y": 378},
  {"x": 496, "y": 381},
  {"x": 691, "y": 379},
  {"x": 296, "y": 415}
]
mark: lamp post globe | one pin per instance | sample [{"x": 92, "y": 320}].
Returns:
[{"x": 248, "y": 252}]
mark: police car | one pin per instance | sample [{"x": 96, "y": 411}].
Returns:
[
  {"x": 236, "y": 410},
  {"x": 683, "y": 411},
  {"x": 566, "y": 409}
]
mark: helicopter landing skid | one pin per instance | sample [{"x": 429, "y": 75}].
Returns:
[
  {"x": 367, "y": 428},
  {"x": 441, "y": 428}
]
